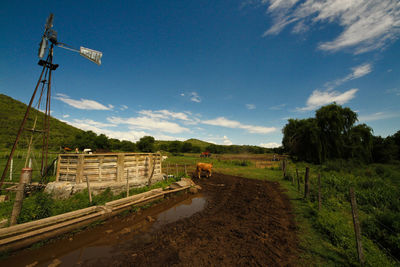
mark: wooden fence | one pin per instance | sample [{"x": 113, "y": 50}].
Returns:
[{"x": 110, "y": 167}]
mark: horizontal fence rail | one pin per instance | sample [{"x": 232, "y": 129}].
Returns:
[{"x": 112, "y": 167}]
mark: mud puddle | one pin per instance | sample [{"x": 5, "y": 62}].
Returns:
[{"x": 105, "y": 241}]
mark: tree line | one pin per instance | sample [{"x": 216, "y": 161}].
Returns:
[
  {"x": 334, "y": 134},
  {"x": 101, "y": 143}
]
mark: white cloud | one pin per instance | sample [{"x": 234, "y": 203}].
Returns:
[
  {"x": 93, "y": 123},
  {"x": 221, "y": 121},
  {"x": 319, "y": 98},
  {"x": 89, "y": 125},
  {"x": 378, "y": 116},
  {"x": 148, "y": 123},
  {"x": 278, "y": 107},
  {"x": 250, "y": 106},
  {"x": 65, "y": 116},
  {"x": 227, "y": 141},
  {"x": 357, "y": 72},
  {"x": 123, "y": 107},
  {"x": 270, "y": 145},
  {"x": 165, "y": 114},
  {"x": 367, "y": 24},
  {"x": 83, "y": 103},
  {"x": 195, "y": 97}
]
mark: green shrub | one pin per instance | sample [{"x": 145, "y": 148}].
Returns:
[{"x": 37, "y": 206}]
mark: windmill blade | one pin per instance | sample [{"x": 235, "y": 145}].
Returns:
[
  {"x": 42, "y": 47},
  {"x": 92, "y": 55},
  {"x": 49, "y": 22}
]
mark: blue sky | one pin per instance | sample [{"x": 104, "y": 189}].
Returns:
[{"x": 227, "y": 72}]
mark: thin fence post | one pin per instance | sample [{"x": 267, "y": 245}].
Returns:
[
  {"x": 127, "y": 183},
  {"x": 88, "y": 187},
  {"x": 292, "y": 179},
  {"x": 284, "y": 168},
  {"x": 11, "y": 168},
  {"x": 357, "y": 228},
  {"x": 307, "y": 183},
  {"x": 185, "y": 170},
  {"x": 176, "y": 169},
  {"x": 298, "y": 180},
  {"x": 319, "y": 191}
]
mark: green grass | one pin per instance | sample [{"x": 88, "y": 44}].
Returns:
[{"x": 40, "y": 205}]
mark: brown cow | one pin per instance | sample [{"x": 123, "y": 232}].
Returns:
[{"x": 204, "y": 167}]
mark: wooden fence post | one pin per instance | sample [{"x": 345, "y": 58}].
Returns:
[
  {"x": 88, "y": 188},
  {"x": 319, "y": 191},
  {"x": 185, "y": 170},
  {"x": 176, "y": 169},
  {"x": 25, "y": 178},
  {"x": 284, "y": 168},
  {"x": 298, "y": 180},
  {"x": 307, "y": 183},
  {"x": 357, "y": 228},
  {"x": 11, "y": 168}
]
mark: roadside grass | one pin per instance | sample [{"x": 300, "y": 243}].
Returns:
[{"x": 41, "y": 205}]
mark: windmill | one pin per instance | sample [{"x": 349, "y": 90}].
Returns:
[{"x": 46, "y": 47}]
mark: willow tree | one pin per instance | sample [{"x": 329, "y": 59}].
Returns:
[
  {"x": 301, "y": 138},
  {"x": 330, "y": 135},
  {"x": 335, "y": 123}
]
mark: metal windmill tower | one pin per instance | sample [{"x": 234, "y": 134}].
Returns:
[{"x": 44, "y": 83}]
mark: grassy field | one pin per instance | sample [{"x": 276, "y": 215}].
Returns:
[{"x": 326, "y": 236}]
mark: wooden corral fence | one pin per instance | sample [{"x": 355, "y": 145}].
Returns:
[
  {"x": 178, "y": 169},
  {"x": 110, "y": 167}
]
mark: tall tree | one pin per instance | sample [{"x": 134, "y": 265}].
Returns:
[
  {"x": 146, "y": 144},
  {"x": 335, "y": 123}
]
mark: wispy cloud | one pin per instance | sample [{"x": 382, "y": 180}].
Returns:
[
  {"x": 378, "y": 116},
  {"x": 270, "y": 145},
  {"x": 223, "y": 122},
  {"x": 195, "y": 97},
  {"x": 123, "y": 107},
  {"x": 65, "y": 116},
  {"x": 394, "y": 91},
  {"x": 83, "y": 103},
  {"x": 90, "y": 125},
  {"x": 277, "y": 107},
  {"x": 94, "y": 123},
  {"x": 357, "y": 72},
  {"x": 149, "y": 123},
  {"x": 227, "y": 141},
  {"x": 367, "y": 25},
  {"x": 320, "y": 98},
  {"x": 250, "y": 106}
]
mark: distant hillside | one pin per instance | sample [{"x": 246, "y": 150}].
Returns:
[
  {"x": 199, "y": 143},
  {"x": 11, "y": 114}
]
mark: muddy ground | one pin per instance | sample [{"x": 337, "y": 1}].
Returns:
[{"x": 240, "y": 222}]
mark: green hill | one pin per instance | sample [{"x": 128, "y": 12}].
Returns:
[
  {"x": 199, "y": 143},
  {"x": 11, "y": 114}
]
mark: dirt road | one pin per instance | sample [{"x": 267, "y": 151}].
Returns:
[
  {"x": 245, "y": 222},
  {"x": 242, "y": 222}
]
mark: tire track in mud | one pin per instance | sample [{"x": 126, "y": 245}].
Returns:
[{"x": 245, "y": 222}]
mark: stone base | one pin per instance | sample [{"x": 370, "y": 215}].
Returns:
[{"x": 63, "y": 190}]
